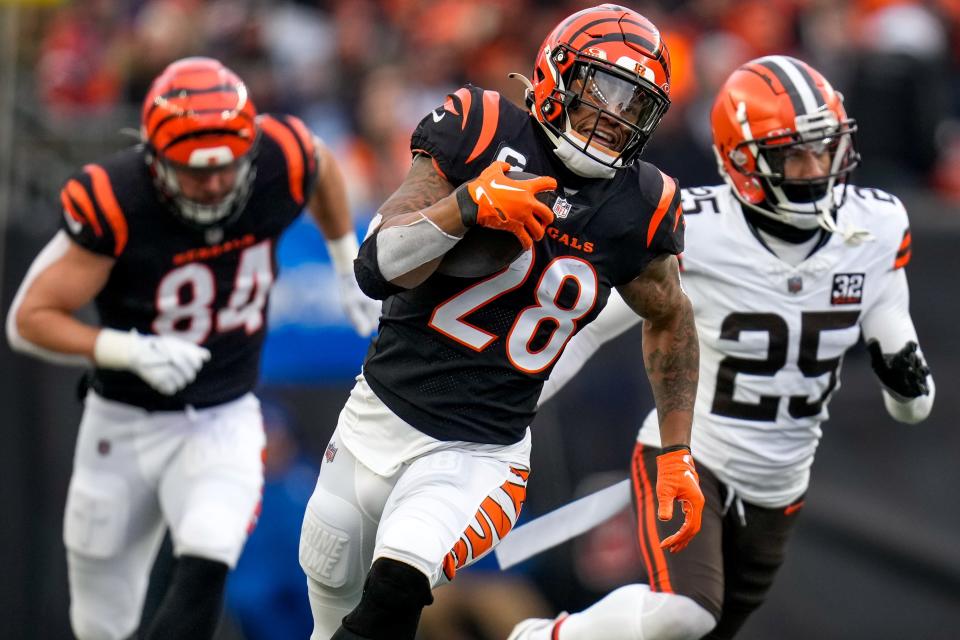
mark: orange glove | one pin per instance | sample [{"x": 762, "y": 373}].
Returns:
[
  {"x": 497, "y": 201},
  {"x": 677, "y": 479}
]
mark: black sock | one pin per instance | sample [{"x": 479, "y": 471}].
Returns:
[
  {"x": 191, "y": 608},
  {"x": 394, "y": 595}
]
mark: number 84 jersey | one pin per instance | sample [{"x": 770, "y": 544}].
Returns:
[{"x": 773, "y": 336}]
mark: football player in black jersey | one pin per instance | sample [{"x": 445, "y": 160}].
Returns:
[
  {"x": 427, "y": 469},
  {"x": 175, "y": 241}
]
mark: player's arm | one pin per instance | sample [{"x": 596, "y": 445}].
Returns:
[
  {"x": 66, "y": 277},
  {"x": 329, "y": 208},
  {"x": 63, "y": 278},
  {"x": 614, "y": 320},
  {"x": 895, "y": 355},
  {"x": 426, "y": 216},
  {"x": 671, "y": 354},
  {"x": 671, "y": 351}
]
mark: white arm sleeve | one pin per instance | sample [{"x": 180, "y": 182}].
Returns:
[
  {"x": 889, "y": 323},
  {"x": 615, "y": 319},
  {"x": 54, "y": 250}
]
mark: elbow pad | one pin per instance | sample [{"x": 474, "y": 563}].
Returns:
[{"x": 367, "y": 270}]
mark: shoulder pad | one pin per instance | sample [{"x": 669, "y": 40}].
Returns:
[
  {"x": 299, "y": 153},
  {"x": 92, "y": 216},
  {"x": 459, "y": 134},
  {"x": 660, "y": 194}
]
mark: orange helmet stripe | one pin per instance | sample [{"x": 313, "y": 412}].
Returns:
[
  {"x": 107, "y": 202},
  {"x": 796, "y": 81}
]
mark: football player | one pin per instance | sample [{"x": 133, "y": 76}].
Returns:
[
  {"x": 785, "y": 265},
  {"x": 174, "y": 239},
  {"x": 428, "y": 466}
]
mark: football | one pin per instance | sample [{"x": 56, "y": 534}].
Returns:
[{"x": 482, "y": 250}]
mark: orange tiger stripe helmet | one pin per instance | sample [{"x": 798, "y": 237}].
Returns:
[
  {"x": 601, "y": 84},
  {"x": 197, "y": 115},
  {"x": 768, "y": 110}
]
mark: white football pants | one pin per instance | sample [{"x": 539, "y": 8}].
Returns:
[{"x": 200, "y": 472}]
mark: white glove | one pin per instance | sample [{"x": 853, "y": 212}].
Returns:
[
  {"x": 166, "y": 363},
  {"x": 363, "y": 312}
]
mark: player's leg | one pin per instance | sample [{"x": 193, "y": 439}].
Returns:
[
  {"x": 112, "y": 525},
  {"x": 448, "y": 509},
  {"x": 684, "y": 595},
  {"x": 338, "y": 535},
  {"x": 753, "y": 553},
  {"x": 210, "y": 495}
]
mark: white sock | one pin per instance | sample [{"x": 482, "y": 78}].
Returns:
[{"x": 634, "y": 612}]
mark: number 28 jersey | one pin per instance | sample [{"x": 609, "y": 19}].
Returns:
[
  {"x": 465, "y": 358},
  {"x": 209, "y": 286},
  {"x": 773, "y": 336}
]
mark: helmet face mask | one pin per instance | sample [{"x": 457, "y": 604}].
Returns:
[
  {"x": 198, "y": 121},
  {"x": 610, "y": 116},
  {"x": 202, "y": 213},
  {"x": 783, "y": 141},
  {"x": 601, "y": 85}
]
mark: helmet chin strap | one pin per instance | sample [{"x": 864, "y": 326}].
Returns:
[{"x": 572, "y": 157}]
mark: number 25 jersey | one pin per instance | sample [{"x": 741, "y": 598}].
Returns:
[
  {"x": 210, "y": 286},
  {"x": 773, "y": 336},
  {"x": 465, "y": 358}
]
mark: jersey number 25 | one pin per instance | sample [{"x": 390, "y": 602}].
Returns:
[{"x": 811, "y": 325}]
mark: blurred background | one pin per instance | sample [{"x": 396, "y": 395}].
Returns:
[{"x": 877, "y": 550}]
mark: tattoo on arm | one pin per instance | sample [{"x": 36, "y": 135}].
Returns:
[
  {"x": 422, "y": 187},
  {"x": 671, "y": 349}
]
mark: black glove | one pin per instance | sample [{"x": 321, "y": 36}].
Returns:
[{"x": 904, "y": 372}]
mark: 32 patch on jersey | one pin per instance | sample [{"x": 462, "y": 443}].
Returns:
[{"x": 847, "y": 288}]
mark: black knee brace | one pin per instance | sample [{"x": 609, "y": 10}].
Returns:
[
  {"x": 394, "y": 594},
  {"x": 192, "y": 605}
]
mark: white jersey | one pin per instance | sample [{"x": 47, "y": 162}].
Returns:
[{"x": 773, "y": 335}]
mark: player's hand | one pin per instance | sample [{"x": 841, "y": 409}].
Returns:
[
  {"x": 363, "y": 312},
  {"x": 903, "y": 373},
  {"x": 166, "y": 363},
  {"x": 496, "y": 201},
  {"x": 677, "y": 479}
]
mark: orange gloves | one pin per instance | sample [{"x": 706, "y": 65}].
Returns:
[
  {"x": 497, "y": 201},
  {"x": 677, "y": 479}
]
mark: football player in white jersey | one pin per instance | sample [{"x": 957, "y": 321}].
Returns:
[{"x": 785, "y": 265}]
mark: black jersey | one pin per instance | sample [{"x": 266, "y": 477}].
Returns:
[
  {"x": 209, "y": 286},
  {"x": 465, "y": 359}
]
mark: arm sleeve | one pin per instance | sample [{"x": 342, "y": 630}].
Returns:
[
  {"x": 889, "y": 322},
  {"x": 50, "y": 253},
  {"x": 614, "y": 320}
]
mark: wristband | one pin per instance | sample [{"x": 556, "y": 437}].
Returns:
[
  {"x": 112, "y": 349},
  {"x": 343, "y": 251},
  {"x": 675, "y": 447}
]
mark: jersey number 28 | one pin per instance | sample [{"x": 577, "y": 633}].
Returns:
[{"x": 448, "y": 318}]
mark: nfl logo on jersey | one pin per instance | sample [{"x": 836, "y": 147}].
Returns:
[
  {"x": 331, "y": 452},
  {"x": 561, "y": 208},
  {"x": 794, "y": 284}
]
